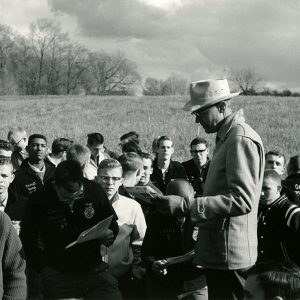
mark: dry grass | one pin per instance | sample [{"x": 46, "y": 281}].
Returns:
[{"x": 275, "y": 119}]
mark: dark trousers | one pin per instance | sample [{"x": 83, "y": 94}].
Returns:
[
  {"x": 97, "y": 284},
  {"x": 225, "y": 284}
]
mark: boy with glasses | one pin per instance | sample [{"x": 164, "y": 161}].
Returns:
[
  {"x": 124, "y": 254},
  {"x": 197, "y": 167}
]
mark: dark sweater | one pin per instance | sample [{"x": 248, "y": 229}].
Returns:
[
  {"x": 12, "y": 272},
  {"x": 27, "y": 182},
  {"x": 174, "y": 171}
]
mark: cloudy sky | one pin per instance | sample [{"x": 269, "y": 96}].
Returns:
[{"x": 197, "y": 39}]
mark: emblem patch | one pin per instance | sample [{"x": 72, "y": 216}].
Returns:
[{"x": 89, "y": 211}]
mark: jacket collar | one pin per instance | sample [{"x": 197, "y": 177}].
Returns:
[{"x": 229, "y": 122}]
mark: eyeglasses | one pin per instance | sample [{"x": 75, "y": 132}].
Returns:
[
  {"x": 198, "y": 151},
  {"x": 107, "y": 178},
  {"x": 16, "y": 143},
  {"x": 200, "y": 111}
]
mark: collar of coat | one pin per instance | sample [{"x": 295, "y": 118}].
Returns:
[{"x": 229, "y": 122}]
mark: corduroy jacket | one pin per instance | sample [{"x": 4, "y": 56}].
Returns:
[{"x": 227, "y": 213}]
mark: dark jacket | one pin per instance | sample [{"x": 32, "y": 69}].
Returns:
[
  {"x": 27, "y": 181},
  {"x": 167, "y": 236},
  {"x": 278, "y": 230},
  {"x": 293, "y": 183},
  {"x": 52, "y": 223},
  {"x": 195, "y": 176},
  {"x": 16, "y": 205},
  {"x": 175, "y": 170}
]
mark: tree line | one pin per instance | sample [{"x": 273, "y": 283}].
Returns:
[{"x": 46, "y": 61}]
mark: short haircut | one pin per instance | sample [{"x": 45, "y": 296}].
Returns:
[
  {"x": 146, "y": 155},
  {"x": 278, "y": 278},
  {"x": 199, "y": 140},
  {"x": 5, "y": 161},
  {"x": 36, "y": 136},
  {"x": 5, "y": 145},
  {"x": 293, "y": 165},
  {"x": 273, "y": 175},
  {"x": 130, "y": 162},
  {"x": 95, "y": 138},
  {"x": 180, "y": 187},
  {"x": 60, "y": 145},
  {"x": 131, "y": 146},
  {"x": 162, "y": 139},
  {"x": 68, "y": 174},
  {"x": 275, "y": 152},
  {"x": 131, "y": 136},
  {"x": 18, "y": 130},
  {"x": 109, "y": 163},
  {"x": 78, "y": 153}
]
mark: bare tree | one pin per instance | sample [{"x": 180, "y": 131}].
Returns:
[
  {"x": 246, "y": 80},
  {"x": 110, "y": 73}
]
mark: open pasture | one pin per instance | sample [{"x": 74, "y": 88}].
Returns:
[{"x": 276, "y": 119}]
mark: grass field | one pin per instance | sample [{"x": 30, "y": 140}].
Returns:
[{"x": 276, "y": 119}]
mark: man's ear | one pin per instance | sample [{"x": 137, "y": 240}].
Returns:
[
  {"x": 279, "y": 188},
  {"x": 12, "y": 178},
  {"x": 151, "y": 170}
]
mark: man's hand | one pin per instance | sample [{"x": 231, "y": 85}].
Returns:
[
  {"x": 107, "y": 238},
  {"x": 137, "y": 272},
  {"x": 171, "y": 204},
  {"x": 159, "y": 267}
]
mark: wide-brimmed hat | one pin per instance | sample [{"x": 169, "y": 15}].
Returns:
[{"x": 205, "y": 93}]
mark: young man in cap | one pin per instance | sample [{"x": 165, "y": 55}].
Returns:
[
  {"x": 293, "y": 171},
  {"x": 34, "y": 170},
  {"x": 226, "y": 214},
  {"x": 55, "y": 216},
  {"x": 197, "y": 167},
  {"x": 18, "y": 139}
]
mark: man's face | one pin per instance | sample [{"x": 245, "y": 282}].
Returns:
[
  {"x": 165, "y": 150},
  {"x": 200, "y": 153},
  {"x": 37, "y": 149},
  {"x": 68, "y": 196},
  {"x": 276, "y": 163},
  {"x": 270, "y": 191},
  {"x": 19, "y": 142},
  {"x": 96, "y": 149},
  {"x": 147, "y": 171},
  {"x": 253, "y": 290},
  {"x": 209, "y": 119},
  {"x": 110, "y": 180},
  {"x": 6, "y": 177}
]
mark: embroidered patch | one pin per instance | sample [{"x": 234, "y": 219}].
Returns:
[{"x": 89, "y": 211}]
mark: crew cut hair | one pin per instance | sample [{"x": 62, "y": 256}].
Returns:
[
  {"x": 197, "y": 141},
  {"x": 130, "y": 162},
  {"x": 36, "y": 136},
  {"x": 109, "y": 163}
]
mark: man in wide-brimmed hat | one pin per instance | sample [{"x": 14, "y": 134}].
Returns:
[{"x": 226, "y": 214}]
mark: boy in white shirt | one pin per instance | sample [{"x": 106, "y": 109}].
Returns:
[{"x": 124, "y": 254}]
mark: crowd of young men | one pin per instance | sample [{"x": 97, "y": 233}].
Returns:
[{"x": 233, "y": 208}]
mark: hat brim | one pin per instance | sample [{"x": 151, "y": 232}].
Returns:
[{"x": 190, "y": 106}]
